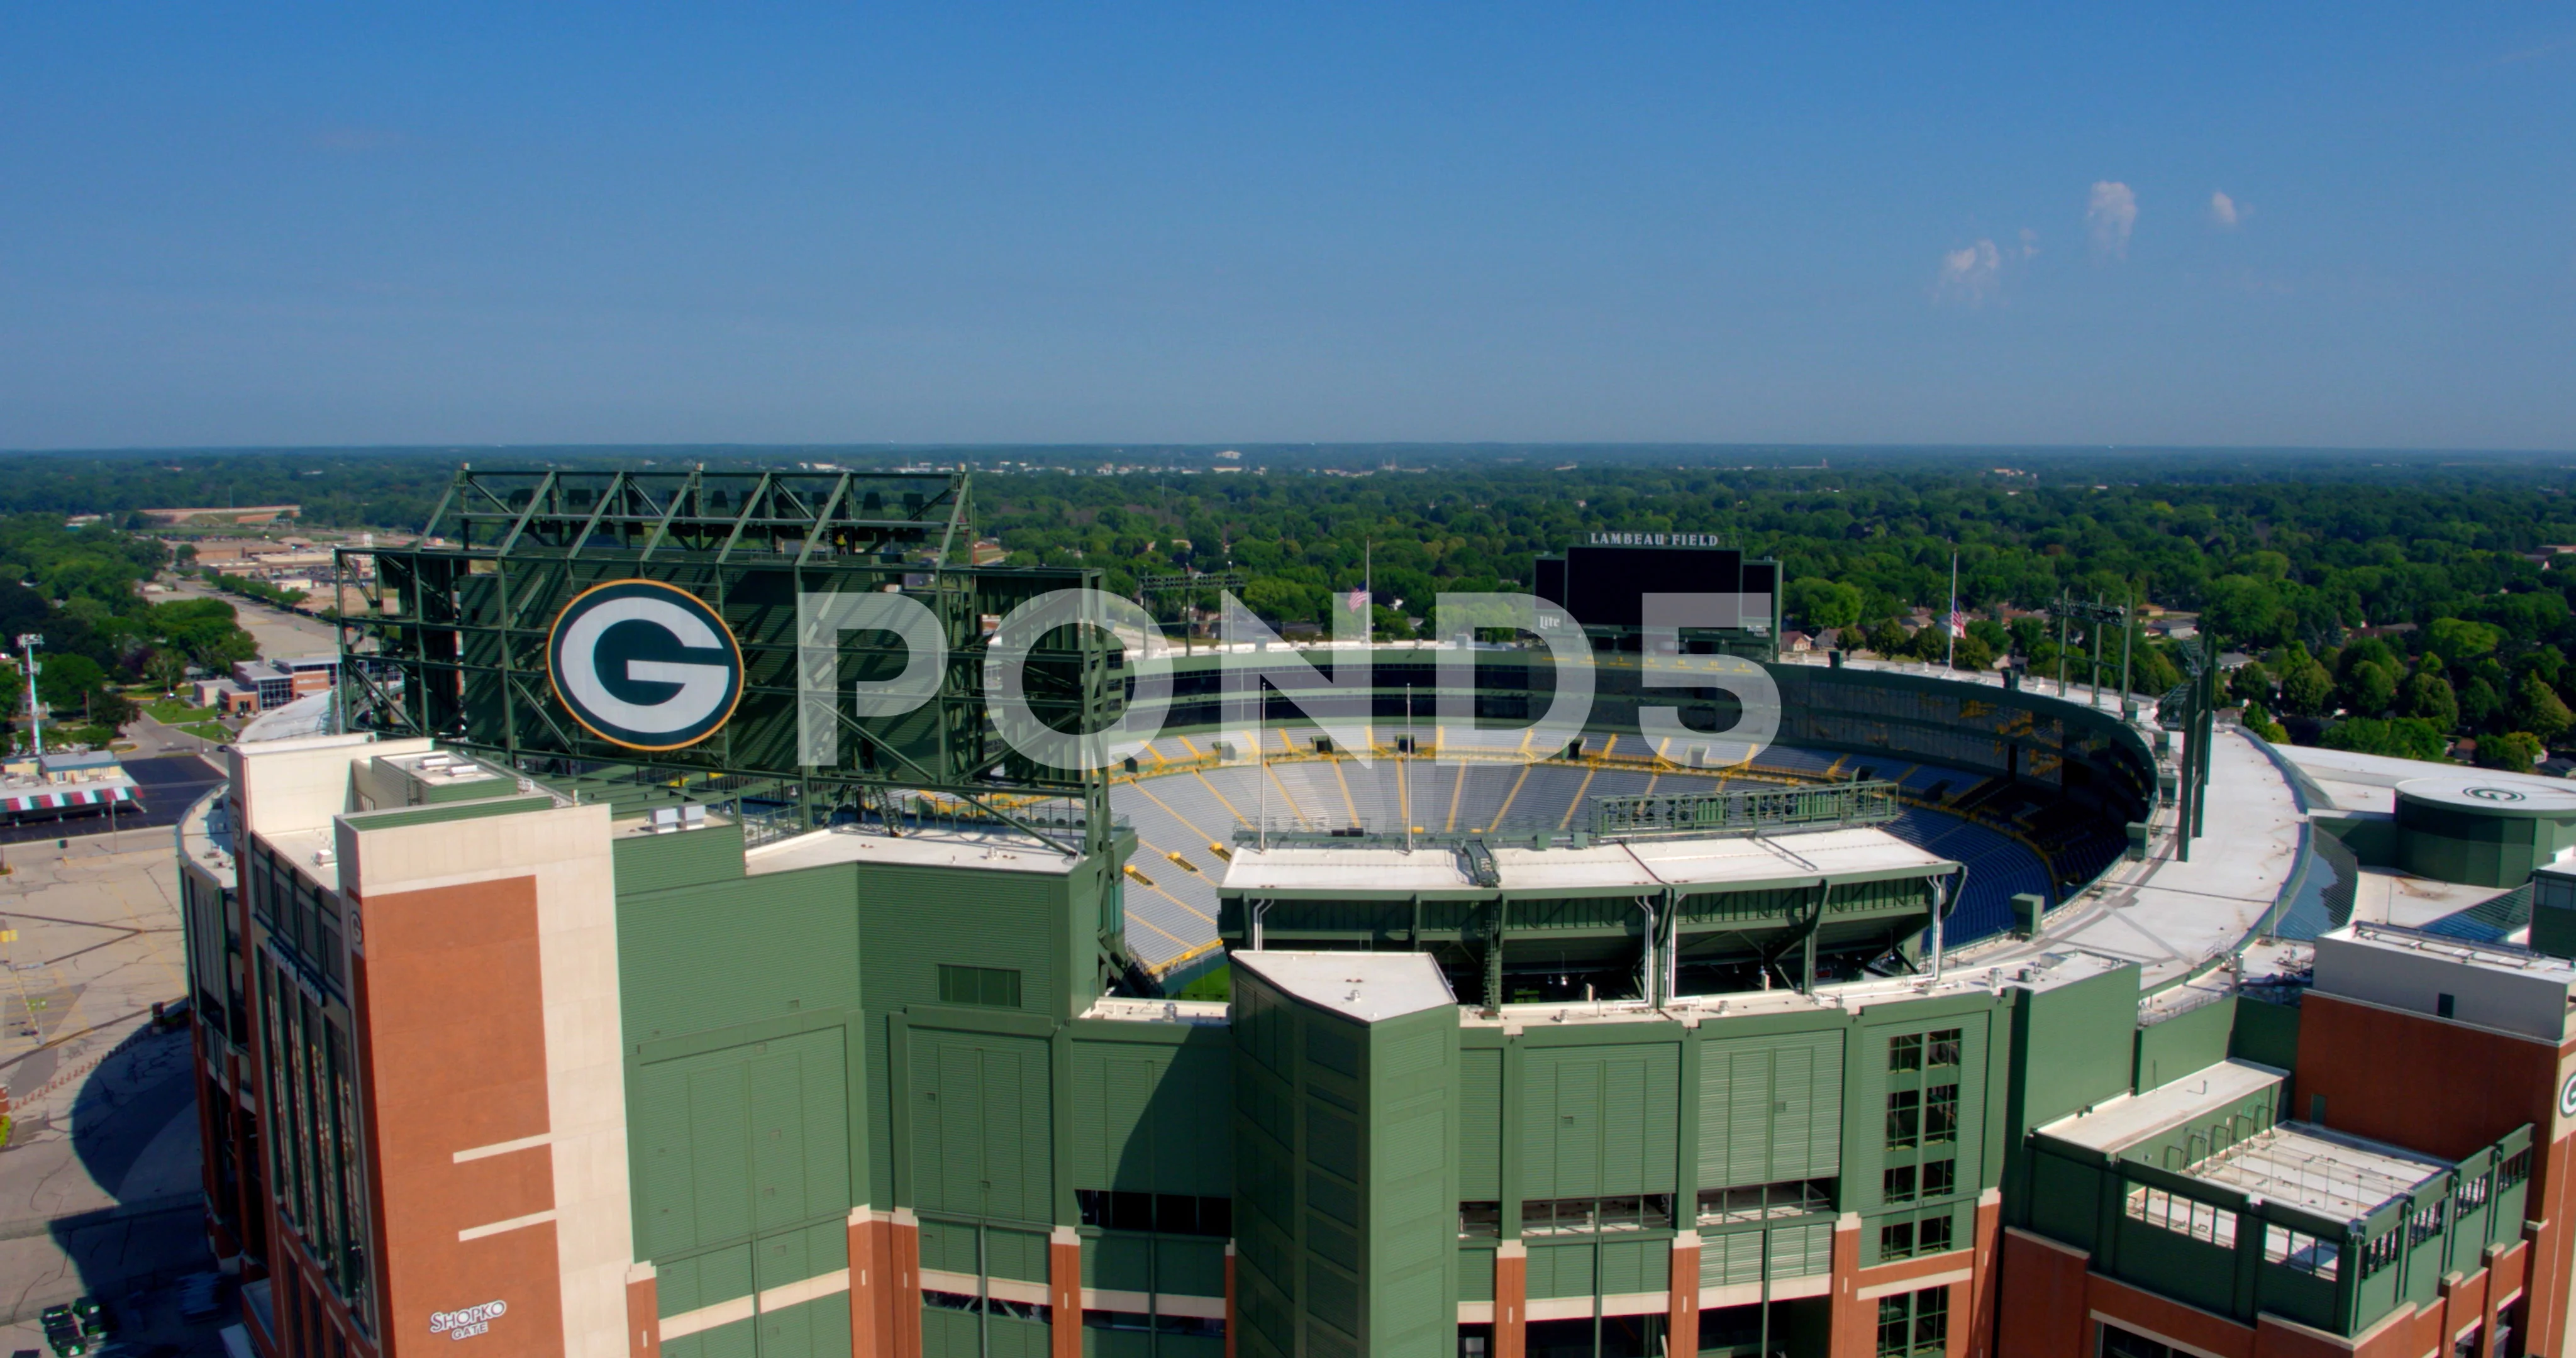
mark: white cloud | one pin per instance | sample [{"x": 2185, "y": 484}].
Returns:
[
  {"x": 1969, "y": 274},
  {"x": 2222, "y": 211},
  {"x": 2112, "y": 213},
  {"x": 2029, "y": 242}
]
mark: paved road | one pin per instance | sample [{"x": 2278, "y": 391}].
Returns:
[
  {"x": 278, "y": 632},
  {"x": 170, "y": 785}
]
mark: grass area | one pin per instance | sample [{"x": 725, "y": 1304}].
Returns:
[
  {"x": 176, "y": 711},
  {"x": 206, "y": 730},
  {"x": 1215, "y": 984}
]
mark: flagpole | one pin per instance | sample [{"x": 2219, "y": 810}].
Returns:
[{"x": 1950, "y": 624}]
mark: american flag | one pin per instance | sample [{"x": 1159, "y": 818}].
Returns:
[
  {"x": 1358, "y": 601},
  {"x": 1958, "y": 623}
]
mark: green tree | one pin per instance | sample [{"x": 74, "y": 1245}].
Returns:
[
  {"x": 2537, "y": 709},
  {"x": 1887, "y": 639},
  {"x": 2260, "y": 723},
  {"x": 2428, "y": 695},
  {"x": 1820, "y": 605},
  {"x": 2402, "y": 738},
  {"x": 2460, "y": 639},
  {"x": 2306, "y": 688},
  {"x": 2480, "y": 705},
  {"x": 2510, "y": 751},
  {"x": 2368, "y": 689},
  {"x": 2250, "y": 684},
  {"x": 62, "y": 680}
]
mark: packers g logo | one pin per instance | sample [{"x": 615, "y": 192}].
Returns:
[{"x": 644, "y": 664}]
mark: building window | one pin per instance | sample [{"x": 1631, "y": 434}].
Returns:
[
  {"x": 2299, "y": 1250},
  {"x": 2182, "y": 1216},
  {"x": 2379, "y": 1253},
  {"x": 1897, "y": 1184},
  {"x": 2425, "y": 1223},
  {"x": 1763, "y": 1202},
  {"x": 1480, "y": 1220},
  {"x": 2515, "y": 1169},
  {"x": 1940, "y": 1178},
  {"x": 1162, "y": 1213},
  {"x": 2120, "y": 1343},
  {"x": 1579, "y": 1216},
  {"x": 2472, "y": 1194},
  {"x": 1940, "y": 1115},
  {"x": 1908, "y": 1238},
  {"x": 1914, "y": 1324},
  {"x": 1904, "y": 1119},
  {"x": 1905, "y": 1052},
  {"x": 995, "y": 987},
  {"x": 1942, "y": 1049}
]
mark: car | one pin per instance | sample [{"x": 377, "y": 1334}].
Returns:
[
  {"x": 63, "y": 1333},
  {"x": 92, "y": 1315}
]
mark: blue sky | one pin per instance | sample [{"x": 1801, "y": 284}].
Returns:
[{"x": 557, "y": 223}]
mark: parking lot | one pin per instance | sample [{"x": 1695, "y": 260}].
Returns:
[{"x": 99, "y": 1183}]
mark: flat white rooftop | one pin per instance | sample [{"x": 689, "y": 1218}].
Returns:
[
  {"x": 1368, "y": 986},
  {"x": 2327, "y": 1172},
  {"x": 1642, "y": 863},
  {"x": 935, "y": 847},
  {"x": 2118, "y": 1123}
]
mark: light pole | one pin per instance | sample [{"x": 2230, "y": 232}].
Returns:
[{"x": 27, "y": 643}]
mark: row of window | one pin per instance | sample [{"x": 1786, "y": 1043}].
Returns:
[
  {"x": 987, "y": 987},
  {"x": 1922, "y": 1117},
  {"x": 1039, "y": 1313},
  {"x": 1906, "y": 1239},
  {"x": 1650, "y": 1211},
  {"x": 1165, "y": 1213},
  {"x": 1914, "y": 1324},
  {"x": 1931, "y": 1179},
  {"x": 1918, "y": 1051},
  {"x": 2182, "y": 1216},
  {"x": 309, "y": 1122}
]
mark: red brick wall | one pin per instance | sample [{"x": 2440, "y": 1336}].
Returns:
[{"x": 452, "y": 1034}]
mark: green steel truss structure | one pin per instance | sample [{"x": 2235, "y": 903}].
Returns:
[{"x": 450, "y": 640}]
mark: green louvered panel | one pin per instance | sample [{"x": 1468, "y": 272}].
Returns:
[
  {"x": 719, "y": 1183},
  {"x": 950, "y": 1334},
  {"x": 1119, "y": 1262},
  {"x": 1796, "y": 1252},
  {"x": 1480, "y": 1126},
  {"x": 1012, "y": 1338},
  {"x": 1629, "y": 1266},
  {"x": 948, "y": 1247},
  {"x": 1190, "y": 1268},
  {"x": 705, "y": 1280},
  {"x": 1475, "y": 1275},
  {"x": 749, "y": 1138},
  {"x": 1725, "y": 1260},
  {"x": 980, "y": 1138},
  {"x": 799, "y": 1146},
  {"x": 1802, "y": 1251},
  {"x": 1561, "y": 1270},
  {"x": 1770, "y": 1109},
  {"x": 1138, "y": 1116},
  {"x": 1015, "y": 1254},
  {"x": 1599, "y": 1120},
  {"x": 793, "y": 1256},
  {"x": 810, "y": 1329}
]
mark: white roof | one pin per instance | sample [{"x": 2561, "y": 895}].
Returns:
[
  {"x": 1646, "y": 864},
  {"x": 1368, "y": 986},
  {"x": 2118, "y": 1123},
  {"x": 2330, "y": 1173},
  {"x": 999, "y": 851}
]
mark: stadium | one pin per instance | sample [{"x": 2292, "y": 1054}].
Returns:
[{"x": 668, "y": 947}]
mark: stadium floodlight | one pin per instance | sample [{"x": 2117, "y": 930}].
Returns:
[{"x": 27, "y": 643}]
